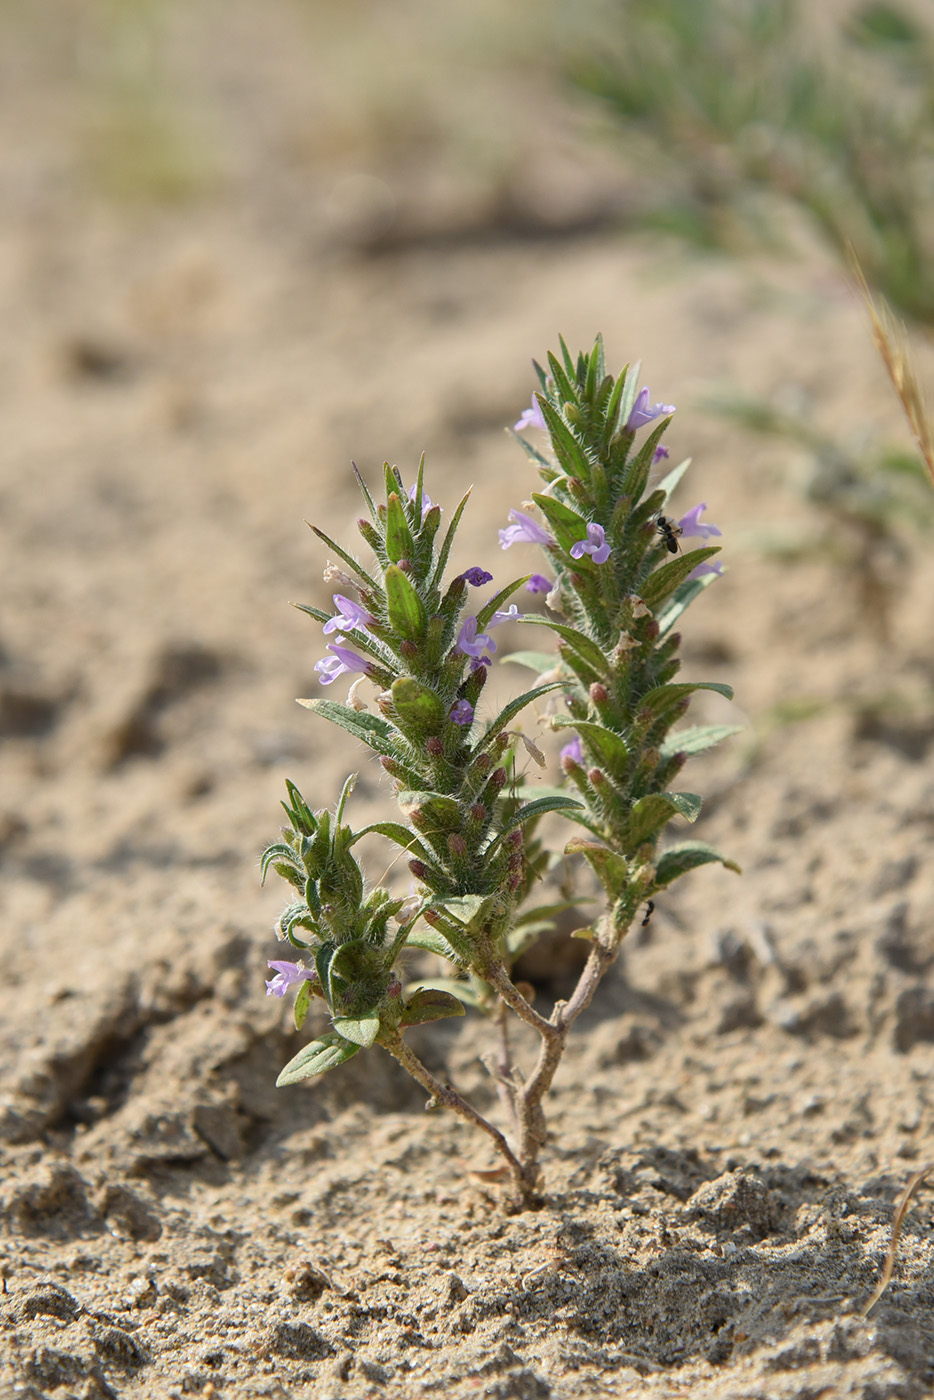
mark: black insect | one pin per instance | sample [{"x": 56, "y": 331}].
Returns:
[
  {"x": 649, "y": 911},
  {"x": 669, "y": 532}
]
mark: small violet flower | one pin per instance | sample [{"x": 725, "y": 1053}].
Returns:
[
  {"x": 642, "y": 413},
  {"x": 349, "y": 614},
  {"x": 573, "y": 751},
  {"x": 461, "y": 712},
  {"x": 531, "y": 418},
  {"x": 339, "y": 663},
  {"x": 476, "y": 577},
  {"x": 287, "y": 974},
  {"x": 690, "y": 524},
  {"x": 427, "y": 502},
  {"x": 524, "y": 530},
  {"x": 538, "y": 583},
  {"x": 595, "y": 544},
  {"x": 471, "y": 642},
  {"x": 510, "y": 614},
  {"x": 661, "y": 454}
]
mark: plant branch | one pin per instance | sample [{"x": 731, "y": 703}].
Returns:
[{"x": 448, "y": 1095}]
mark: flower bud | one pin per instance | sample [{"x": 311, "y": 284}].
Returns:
[
  {"x": 498, "y": 778},
  {"x": 456, "y": 844},
  {"x": 419, "y": 869},
  {"x": 478, "y": 813},
  {"x": 409, "y": 651},
  {"x": 405, "y": 565},
  {"x": 652, "y": 629},
  {"x": 599, "y": 693},
  {"x": 394, "y": 989},
  {"x": 434, "y": 746},
  {"x": 515, "y": 838},
  {"x": 419, "y": 818},
  {"x": 596, "y": 777}
]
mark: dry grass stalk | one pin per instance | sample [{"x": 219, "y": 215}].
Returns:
[
  {"x": 887, "y": 1268},
  {"x": 891, "y": 341}
]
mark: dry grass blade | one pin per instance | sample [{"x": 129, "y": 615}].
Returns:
[
  {"x": 891, "y": 342},
  {"x": 885, "y": 1278}
]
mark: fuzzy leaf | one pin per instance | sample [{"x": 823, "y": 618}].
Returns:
[
  {"x": 399, "y": 542},
  {"x": 430, "y": 1004},
  {"x": 567, "y": 449},
  {"x": 610, "y": 748},
  {"x": 395, "y": 831},
  {"x": 433, "y": 942},
  {"x": 538, "y": 808},
  {"x": 317, "y": 1058},
  {"x": 512, "y": 709},
  {"x": 361, "y": 1030},
  {"x": 302, "y": 1003},
  {"x": 611, "y": 870},
  {"x": 663, "y": 582},
  {"x": 567, "y": 525},
  {"x": 371, "y": 730},
  {"x": 584, "y": 647},
  {"x": 698, "y": 738},
  {"x": 678, "y": 860},
  {"x": 404, "y": 607},
  {"x": 665, "y": 697},
  {"x": 650, "y": 813}
]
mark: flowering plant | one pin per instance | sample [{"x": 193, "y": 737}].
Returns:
[{"x": 618, "y": 582}]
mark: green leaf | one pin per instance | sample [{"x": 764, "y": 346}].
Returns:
[
  {"x": 317, "y": 1058},
  {"x": 611, "y": 870},
  {"x": 445, "y": 549},
  {"x": 610, "y": 748},
  {"x": 665, "y": 579},
  {"x": 698, "y": 738},
  {"x": 536, "y": 456},
  {"x": 399, "y": 542},
  {"x": 538, "y": 808},
  {"x": 361, "y": 1030},
  {"x": 318, "y": 614},
  {"x": 465, "y": 909},
  {"x": 430, "y": 1004},
  {"x": 395, "y": 831},
  {"x": 433, "y": 942},
  {"x": 347, "y": 558},
  {"x": 443, "y": 810},
  {"x": 510, "y": 711},
  {"x": 372, "y": 730},
  {"x": 302, "y": 1003},
  {"x": 567, "y": 449},
  {"x": 650, "y": 813},
  {"x": 682, "y": 599},
  {"x": 404, "y": 607},
  {"x": 585, "y": 648},
  {"x": 664, "y": 697},
  {"x": 568, "y": 525},
  {"x": 539, "y": 661},
  {"x": 678, "y": 860}
]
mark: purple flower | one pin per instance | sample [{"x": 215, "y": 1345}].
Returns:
[
  {"x": 690, "y": 524},
  {"x": 461, "y": 712},
  {"x": 338, "y": 664},
  {"x": 707, "y": 567},
  {"x": 642, "y": 413},
  {"x": 510, "y": 614},
  {"x": 349, "y": 614},
  {"x": 287, "y": 974},
  {"x": 595, "y": 544},
  {"x": 661, "y": 454},
  {"x": 538, "y": 583},
  {"x": 531, "y": 418},
  {"x": 427, "y": 502},
  {"x": 573, "y": 751},
  {"x": 525, "y": 530},
  {"x": 471, "y": 642},
  {"x": 476, "y": 577}
]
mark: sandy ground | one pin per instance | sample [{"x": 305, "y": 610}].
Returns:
[{"x": 183, "y": 384}]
